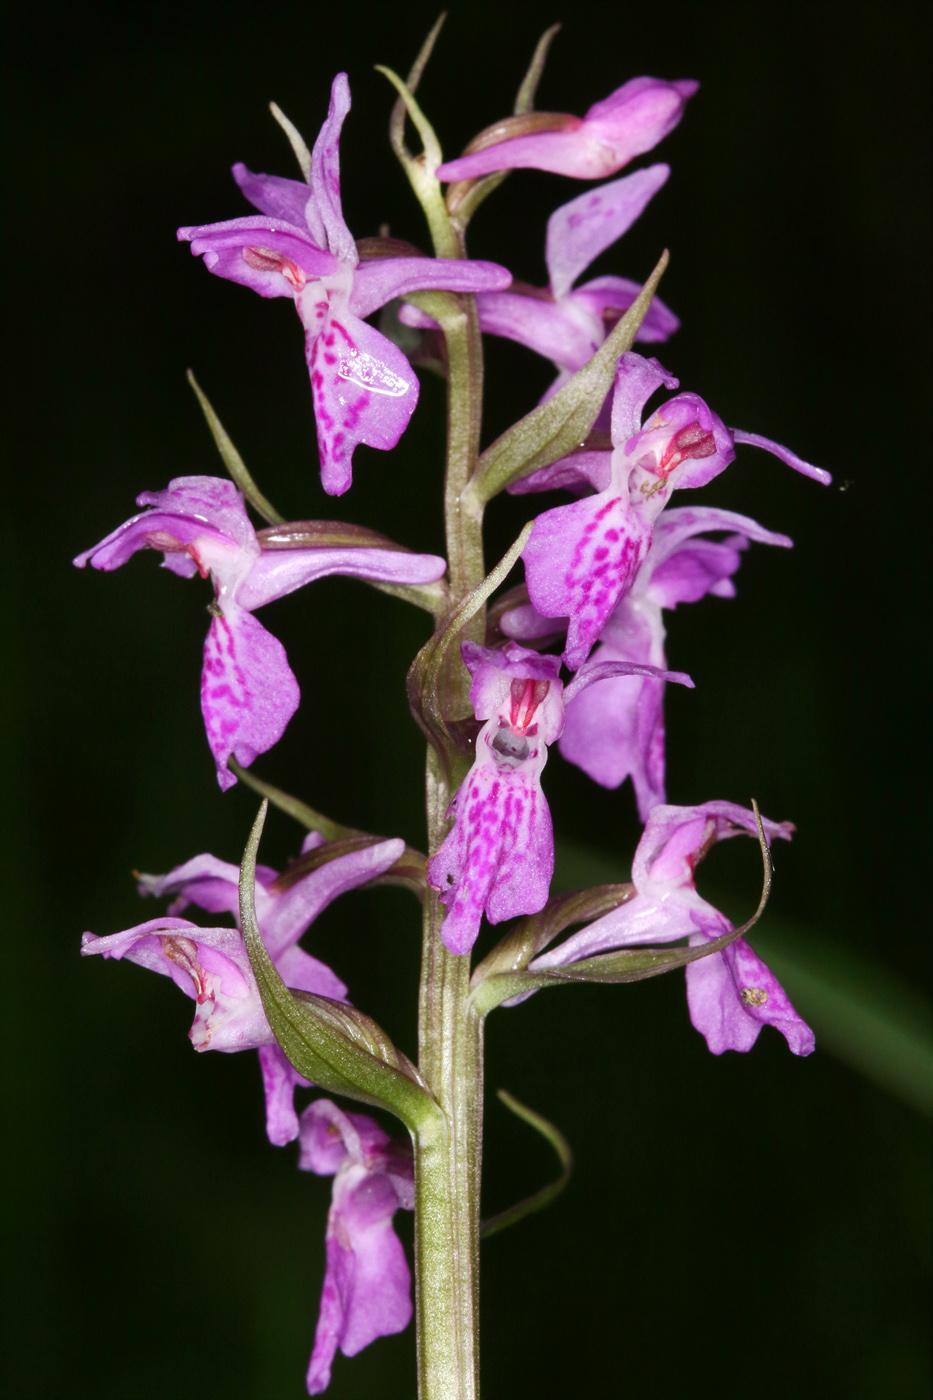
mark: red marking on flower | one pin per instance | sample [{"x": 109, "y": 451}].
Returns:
[
  {"x": 691, "y": 441},
  {"x": 183, "y": 952},
  {"x": 268, "y": 260},
  {"x": 168, "y": 544},
  {"x": 525, "y": 697}
]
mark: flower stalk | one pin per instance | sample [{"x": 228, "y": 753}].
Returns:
[{"x": 447, "y": 1173}]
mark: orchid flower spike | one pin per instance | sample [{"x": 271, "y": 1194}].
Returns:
[
  {"x": 363, "y": 388},
  {"x": 731, "y": 994},
  {"x": 568, "y": 324},
  {"x": 248, "y": 691},
  {"x": 367, "y": 1282},
  {"x": 630, "y": 121},
  {"x": 582, "y": 559},
  {"x": 616, "y": 730},
  {"x": 499, "y": 857},
  {"x": 212, "y": 966}
]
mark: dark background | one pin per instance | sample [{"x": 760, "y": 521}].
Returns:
[{"x": 750, "y": 1223}]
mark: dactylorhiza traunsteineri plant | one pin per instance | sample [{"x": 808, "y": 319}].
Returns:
[{"x": 574, "y": 656}]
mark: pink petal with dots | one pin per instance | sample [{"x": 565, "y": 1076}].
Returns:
[
  {"x": 732, "y": 994},
  {"x": 580, "y": 560},
  {"x": 579, "y": 231},
  {"x": 499, "y": 857},
  {"x": 364, "y": 390},
  {"x": 248, "y": 692}
]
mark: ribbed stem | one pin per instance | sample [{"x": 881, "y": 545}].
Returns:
[{"x": 447, "y": 1172}]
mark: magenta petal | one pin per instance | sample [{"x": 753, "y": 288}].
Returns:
[
  {"x": 280, "y": 571},
  {"x": 615, "y": 730},
  {"x": 636, "y": 380},
  {"x": 325, "y": 174},
  {"x": 291, "y": 913},
  {"x": 222, "y": 247},
  {"x": 579, "y": 231},
  {"x": 785, "y": 454},
  {"x": 733, "y": 994},
  {"x": 627, "y": 123},
  {"x": 605, "y": 294},
  {"x": 577, "y": 472},
  {"x": 248, "y": 692},
  {"x": 544, "y": 326},
  {"x": 638, "y": 115},
  {"x": 378, "y": 281},
  {"x": 213, "y": 500},
  {"x": 694, "y": 463},
  {"x": 498, "y": 857},
  {"x": 280, "y": 1080},
  {"x": 493, "y": 671},
  {"x": 579, "y": 561},
  {"x": 364, "y": 390},
  {"x": 272, "y": 195}
]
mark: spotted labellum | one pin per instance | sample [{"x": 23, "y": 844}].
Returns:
[{"x": 499, "y": 857}]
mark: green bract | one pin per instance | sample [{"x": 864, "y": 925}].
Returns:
[{"x": 333, "y": 1045}]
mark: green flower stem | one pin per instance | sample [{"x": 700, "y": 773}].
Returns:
[
  {"x": 447, "y": 1172},
  {"x": 447, "y": 1176}
]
